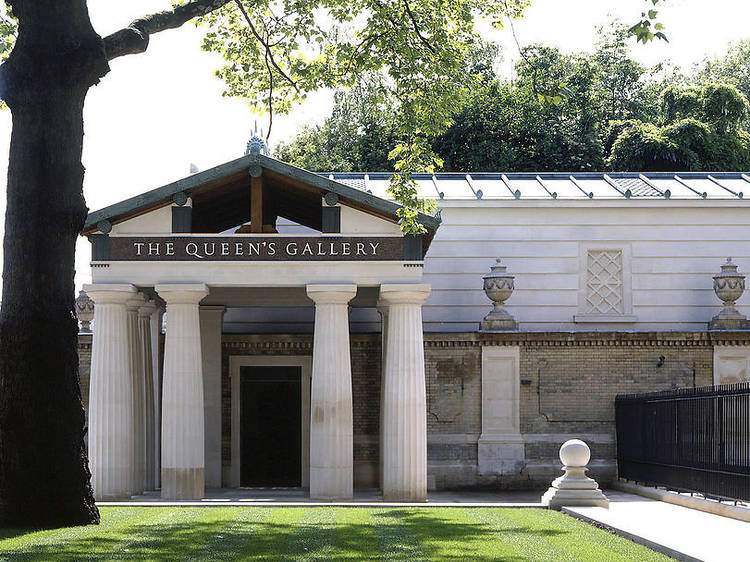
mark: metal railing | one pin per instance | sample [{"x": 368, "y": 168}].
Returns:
[{"x": 689, "y": 440}]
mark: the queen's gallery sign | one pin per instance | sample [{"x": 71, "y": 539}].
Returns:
[{"x": 255, "y": 248}]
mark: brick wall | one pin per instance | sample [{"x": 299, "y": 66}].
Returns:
[{"x": 568, "y": 385}]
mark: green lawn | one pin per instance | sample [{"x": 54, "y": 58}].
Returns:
[{"x": 256, "y": 533}]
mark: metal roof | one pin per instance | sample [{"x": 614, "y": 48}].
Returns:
[
  {"x": 560, "y": 186},
  {"x": 163, "y": 195}
]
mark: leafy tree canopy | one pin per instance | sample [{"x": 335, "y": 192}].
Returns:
[{"x": 560, "y": 111}]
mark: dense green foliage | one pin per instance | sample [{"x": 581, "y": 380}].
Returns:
[
  {"x": 263, "y": 533},
  {"x": 276, "y": 53},
  {"x": 559, "y": 112}
]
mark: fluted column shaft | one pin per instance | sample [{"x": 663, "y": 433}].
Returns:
[
  {"x": 404, "y": 399},
  {"x": 182, "y": 449},
  {"x": 111, "y": 394},
  {"x": 331, "y": 448},
  {"x": 139, "y": 388},
  {"x": 383, "y": 310},
  {"x": 156, "y": 325},
  {"x": 146, "y": 374}
]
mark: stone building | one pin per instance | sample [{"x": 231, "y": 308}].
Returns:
[{"x": 308, "y": 343}]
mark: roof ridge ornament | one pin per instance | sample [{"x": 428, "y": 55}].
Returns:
[{"x": 257, "y": 144}]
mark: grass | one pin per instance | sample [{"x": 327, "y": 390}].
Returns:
[{"x": 320, "y": 533}]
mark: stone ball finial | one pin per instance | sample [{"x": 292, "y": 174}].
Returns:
[
  {"x": 575, "y": 453},
  {"x": 574, "y": 487}
]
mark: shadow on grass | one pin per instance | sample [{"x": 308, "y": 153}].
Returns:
[{"x": 408, "y": 535}]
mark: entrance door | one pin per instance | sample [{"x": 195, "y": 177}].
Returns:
[{"x": 270, "y": 426}]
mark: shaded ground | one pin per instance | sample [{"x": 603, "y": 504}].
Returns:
[{"x": 314, "y": 533}]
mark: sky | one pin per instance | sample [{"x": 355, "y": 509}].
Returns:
[{"x": 156, "y": 113}]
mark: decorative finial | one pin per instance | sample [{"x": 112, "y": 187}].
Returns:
[
  {"x": 84, "y": 311},
  {"x": 498, "y": 286},
  {"x": 729, "y": 285},
  {"x": 574, "y": 487},
  {"x": 257, "y": 144}
]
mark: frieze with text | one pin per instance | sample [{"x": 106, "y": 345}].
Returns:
[{"x": 255, "y": 248}]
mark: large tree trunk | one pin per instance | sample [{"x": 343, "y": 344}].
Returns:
[{"x": 44, "y": 475}]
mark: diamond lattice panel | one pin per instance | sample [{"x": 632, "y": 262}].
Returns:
[{"x": 604, "y": 282}]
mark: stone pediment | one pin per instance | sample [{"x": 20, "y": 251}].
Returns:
[{"x": 252, "y": 192}]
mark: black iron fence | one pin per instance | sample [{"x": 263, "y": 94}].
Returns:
[{"x": 690, "y": 440}]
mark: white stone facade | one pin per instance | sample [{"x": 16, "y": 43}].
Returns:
[{"x": 161, "y": 415}]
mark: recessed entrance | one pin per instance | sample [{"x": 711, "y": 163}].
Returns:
[{"x": 270, "y": 426}]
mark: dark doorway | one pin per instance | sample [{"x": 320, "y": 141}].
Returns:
[{"x": 271, "y": 426}]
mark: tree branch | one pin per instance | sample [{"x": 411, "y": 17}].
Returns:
[
  {"x": 134, "y": 38},
  {"x": 415, "y": 25},
  {"x": 267, "y": 47}
]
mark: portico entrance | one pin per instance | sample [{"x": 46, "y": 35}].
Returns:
[
  {"x": 270, "y": 427},
  {"x": 270, "y": 421},
  {"x": 178, "y": 249}
]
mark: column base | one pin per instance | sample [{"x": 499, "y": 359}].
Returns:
[
  {"x": 574, "y": 488},
  {"x": 183, "y": 483},
  {"x": 501, "y": 454},
  {"x": 328, "y": 484},
  {"x": 406, "y": 496}
]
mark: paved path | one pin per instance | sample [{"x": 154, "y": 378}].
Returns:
[
  {"x": 289, "y": 497},
  {"x": 685, "y": 534}
]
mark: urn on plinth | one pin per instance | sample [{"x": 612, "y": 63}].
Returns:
[
  {"x": 84, "y": 311},
  {"x": 498, "y": 286},
  {"x": 729, "y": 285}
]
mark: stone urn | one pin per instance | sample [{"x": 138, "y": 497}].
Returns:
[
  {"x": 84, "y": 311},
  {"x": 498, "y": 286},
  {"x": 729, "y": 285}
]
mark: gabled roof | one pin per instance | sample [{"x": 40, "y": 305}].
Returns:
[
  {"x": 228, "y": 180},
  {"x": 563, "y": 186}
]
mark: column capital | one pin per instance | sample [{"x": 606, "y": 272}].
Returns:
[
  {"x": 110, "y": 293},
  {"x": 182, "y": 293},
  {"x": 332, "y": 294},
  {"x": 147, "y": 308},
  {"x": 135, "y": 302},
  {"x": 403, "y": 293}
]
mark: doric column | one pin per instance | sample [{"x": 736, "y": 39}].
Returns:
[
  {"x": 111, "y": 394},
  {"x": 156, "y": 324},
  {"x": 182, "y": 456},
  {"x": 383, "y": 310},
  {"x": 331, "y": 449},
  {"x": 404, "y": 399},
  {"x": 139, "y": 393},
  {"x": 147, "y": 376}
]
